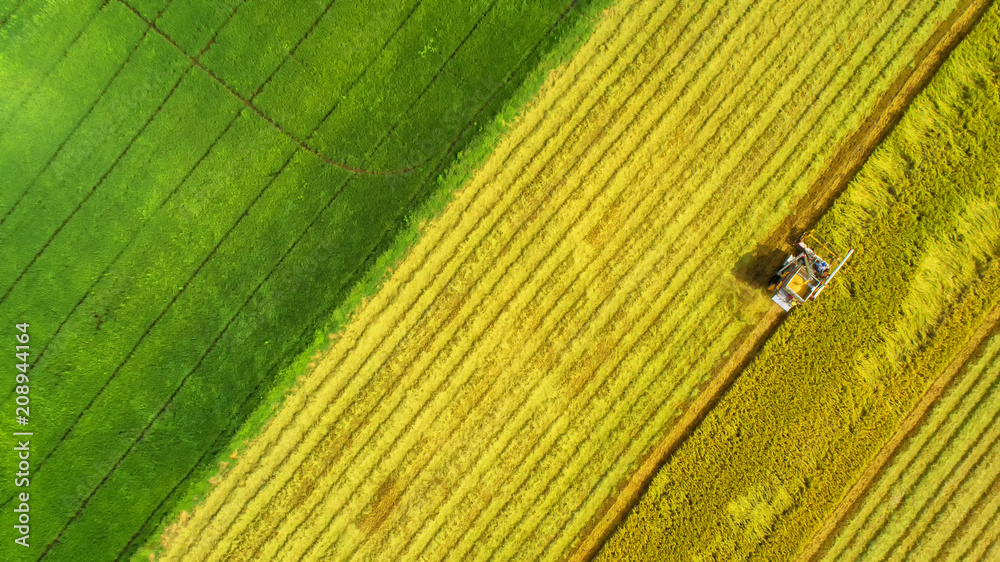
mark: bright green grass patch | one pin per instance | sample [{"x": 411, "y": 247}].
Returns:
[
  {"x": 783, "y": 445},
  {"x": 193, "y": 23},
  {"x": 179, "y": 250},
  {"x": 38, "y": 129},
  {"x": 32, "y": 42}
]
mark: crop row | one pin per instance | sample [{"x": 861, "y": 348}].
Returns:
[
  {"x": 200, "y": 265},
  {"x": 932, "y": 501},
  {"x": 822, "y": 395},
  {"x": 516, "y": 263}
]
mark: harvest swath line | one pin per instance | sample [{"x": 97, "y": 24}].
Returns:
[
  {"x": 249, "y": 298},
  {"x": 973, "y": 528},
  {"x": 982, "y": 496},
  {"x": 55, "y": 64},
  {"x": 567, "y": 12},
  {"x": 176, "y": 296},
  {"x": 506, "y": 306},
  {"x": 659, "y": 310},
  {"x": 970, "y": 460},
  {"x": 248, "y": 102}
]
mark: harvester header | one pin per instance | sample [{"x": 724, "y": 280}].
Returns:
[{"x": 805, "y": 273}]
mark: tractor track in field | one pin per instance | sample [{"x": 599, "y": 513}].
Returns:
[
  {"x": 845, "y": 164},
  {"x": 849, "y": 504}
]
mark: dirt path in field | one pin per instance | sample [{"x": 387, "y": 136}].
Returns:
[
  {"x": 769, "y": 253},
  {"x": 825, "y": 533}
]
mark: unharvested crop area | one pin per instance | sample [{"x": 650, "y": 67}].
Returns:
[
  {"x": 939, "y": 499},
  {"x": 188, "y": 189},
  {"x": 551, "y": 324},
  {"x": 783, "y": 446}
]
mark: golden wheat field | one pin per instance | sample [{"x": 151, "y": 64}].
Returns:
[{"x": 550, "y": 326}]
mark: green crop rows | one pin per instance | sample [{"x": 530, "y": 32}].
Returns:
[
  {"x": 188, "y": 189},
  {"x": 777, "y": 453}
]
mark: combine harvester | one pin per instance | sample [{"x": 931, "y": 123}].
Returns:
[{"x": 805, "y": 274}]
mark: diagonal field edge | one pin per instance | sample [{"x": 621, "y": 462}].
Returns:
[
  {"x": 289, "y": 250},
  {"x": 499, "y": 89},
  {"x": 867, "y": 89}
]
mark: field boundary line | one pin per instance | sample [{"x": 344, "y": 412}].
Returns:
[
  {"x": 425, "y": 362},
  {"x": 921, "y": 452},
  {"x": 461, "y": 133},
  {"x": 939, "y": 46},
  {"x": 821, "y": 195},
  {"x": 638, "y": 272},
  {"x": 848, "y": 504},
  {"x": 543, "y": 262},
  {"x": 248, "y": 102},
  {"x": 239, "y": 310}
]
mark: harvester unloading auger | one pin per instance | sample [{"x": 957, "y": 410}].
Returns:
[{"x": 804, "y": 274}]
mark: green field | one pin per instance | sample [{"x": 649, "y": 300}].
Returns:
[
  {"x": 783, "y": 446},
  {"x": 188, "y": 190}
]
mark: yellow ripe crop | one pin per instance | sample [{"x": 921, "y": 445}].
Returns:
[{"x": 540, "y": 338}]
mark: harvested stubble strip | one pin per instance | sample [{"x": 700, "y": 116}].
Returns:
[{"x": 418, "y": 325}]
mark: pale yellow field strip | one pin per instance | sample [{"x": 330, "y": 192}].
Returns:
[
  {"x": 978, "y": 530},
  {"x": 924, "y": 497},
  {"x": 549, "y": 326}
]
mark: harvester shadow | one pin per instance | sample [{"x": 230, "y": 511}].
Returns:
[{"x": 756, "y": 268}]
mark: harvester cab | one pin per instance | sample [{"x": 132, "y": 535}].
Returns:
[{"x": 805, "y": 274}]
